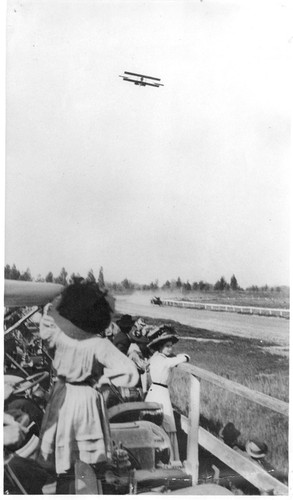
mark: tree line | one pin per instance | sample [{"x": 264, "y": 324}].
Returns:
[{"x": 63, "y": 278}]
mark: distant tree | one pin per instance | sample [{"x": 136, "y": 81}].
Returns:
[
  {"x": 26, "y": 276},
  {"x": 221, "y": 284},
  {"x": 187, "y": 286},
  {"x": 91, "y": 276},
  {"x": 14, "y": 273},
  {"x": 7, "y": 272},
  {"x": 39, "y": 279},
  {"x": 194, "y": 285},
  {"x": 201, "y": 285},
  {"x": 173, "y": 285},
  {"x": 49, "y": 278},
  {"x": 178, "y": 283},
  {"x": 154, "y": 285},
  {"x": 233, "y": 283},
  {"x": 101, "y": 280},
  {"x": 62, "y": 278},
  {"x": 166, "y": 285},
  {"x": 127, "y": 284}
]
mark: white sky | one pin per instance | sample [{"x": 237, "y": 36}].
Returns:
[{"x": 189, "y": 180}]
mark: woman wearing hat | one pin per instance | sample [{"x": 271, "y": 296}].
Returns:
[
  {"x": 72, "y": 429},
  {"x": 161, "y": 363}
]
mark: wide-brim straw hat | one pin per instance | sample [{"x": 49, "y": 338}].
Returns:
[
  {"x": 256, "y": 449},
  {"x": 160, "y": 335}
]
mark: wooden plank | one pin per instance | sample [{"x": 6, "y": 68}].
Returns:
[
  {"x": 251, "y": 471},
  {"x": 191, "y": 464},
  {"x": 255, "y": 396}
]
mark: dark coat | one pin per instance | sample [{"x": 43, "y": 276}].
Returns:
[{"x": 122, "y": 342}]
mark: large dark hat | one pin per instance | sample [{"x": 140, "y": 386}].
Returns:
[
  {"x": 229, "y": 433},
  {"x": 82, "y": 310},
  {"x": 125, "y": 322},
  {"x": 161, "y": 334}
]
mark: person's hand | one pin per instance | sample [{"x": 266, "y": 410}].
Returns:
[
  {"x": 47, "y": 320},
  {"x": 102, "y": 381}
]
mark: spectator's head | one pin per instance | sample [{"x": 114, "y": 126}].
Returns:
[
  {"x": 125, "y": 323},
  {"x": 229, "y": 434},
  {"x": 82, "y": 310},
  {"x": 162, "y": 339}
]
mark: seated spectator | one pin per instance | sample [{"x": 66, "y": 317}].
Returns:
[{"x": 122, "y": 340}]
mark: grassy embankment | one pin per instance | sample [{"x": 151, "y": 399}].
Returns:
[
  {"x": 277, "y": 300},
  {"x": 244, "y": 361}
]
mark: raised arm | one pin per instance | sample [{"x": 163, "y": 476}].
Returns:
[
  {"x": 176, "y": 360},
  {"x": 48, "y": 328},
  {"x": 118, "y": 367}
]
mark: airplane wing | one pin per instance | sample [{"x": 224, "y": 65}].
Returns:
[
  {"x": 154, "y": 84},
  {"x": 138, "y": 82},
  {"x": 142, "y": 76},
  {"x": 29, "y": 293},
  {"x": 141, "y": 83}
]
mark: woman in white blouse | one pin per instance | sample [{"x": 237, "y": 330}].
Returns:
[{"x": 161, "y": 364}]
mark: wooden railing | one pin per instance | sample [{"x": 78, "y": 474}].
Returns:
[
  {"x": 243, "y": 465},
  {"x": 261, "y": 311}
]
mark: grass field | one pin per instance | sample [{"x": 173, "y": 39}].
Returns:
[
  {"x": 244, "y": 361},
  {"x": 277, "y": 300}
]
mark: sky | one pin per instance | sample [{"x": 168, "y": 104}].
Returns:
[{"x": 188, "y": 180}]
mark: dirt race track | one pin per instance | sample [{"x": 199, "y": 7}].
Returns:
[{"x": 271, "y": 329}]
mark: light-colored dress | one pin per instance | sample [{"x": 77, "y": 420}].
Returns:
[
  {"x": 142, "y": 364},
  {"x": 72, "y": 427},
  {"x": 160, "y": 371}
]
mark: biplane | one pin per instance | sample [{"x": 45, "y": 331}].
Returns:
[{"x": 141, "y": 80}]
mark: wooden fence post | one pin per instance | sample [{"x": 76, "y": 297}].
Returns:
[{"x": 191, "y": 465}]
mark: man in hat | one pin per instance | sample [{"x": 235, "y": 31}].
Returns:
[{"x": 122, "y": 339}]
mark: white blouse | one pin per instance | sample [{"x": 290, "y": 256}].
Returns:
[
  {"x": 161, "y": 365},
  {"x": 76, "y": 360}
]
